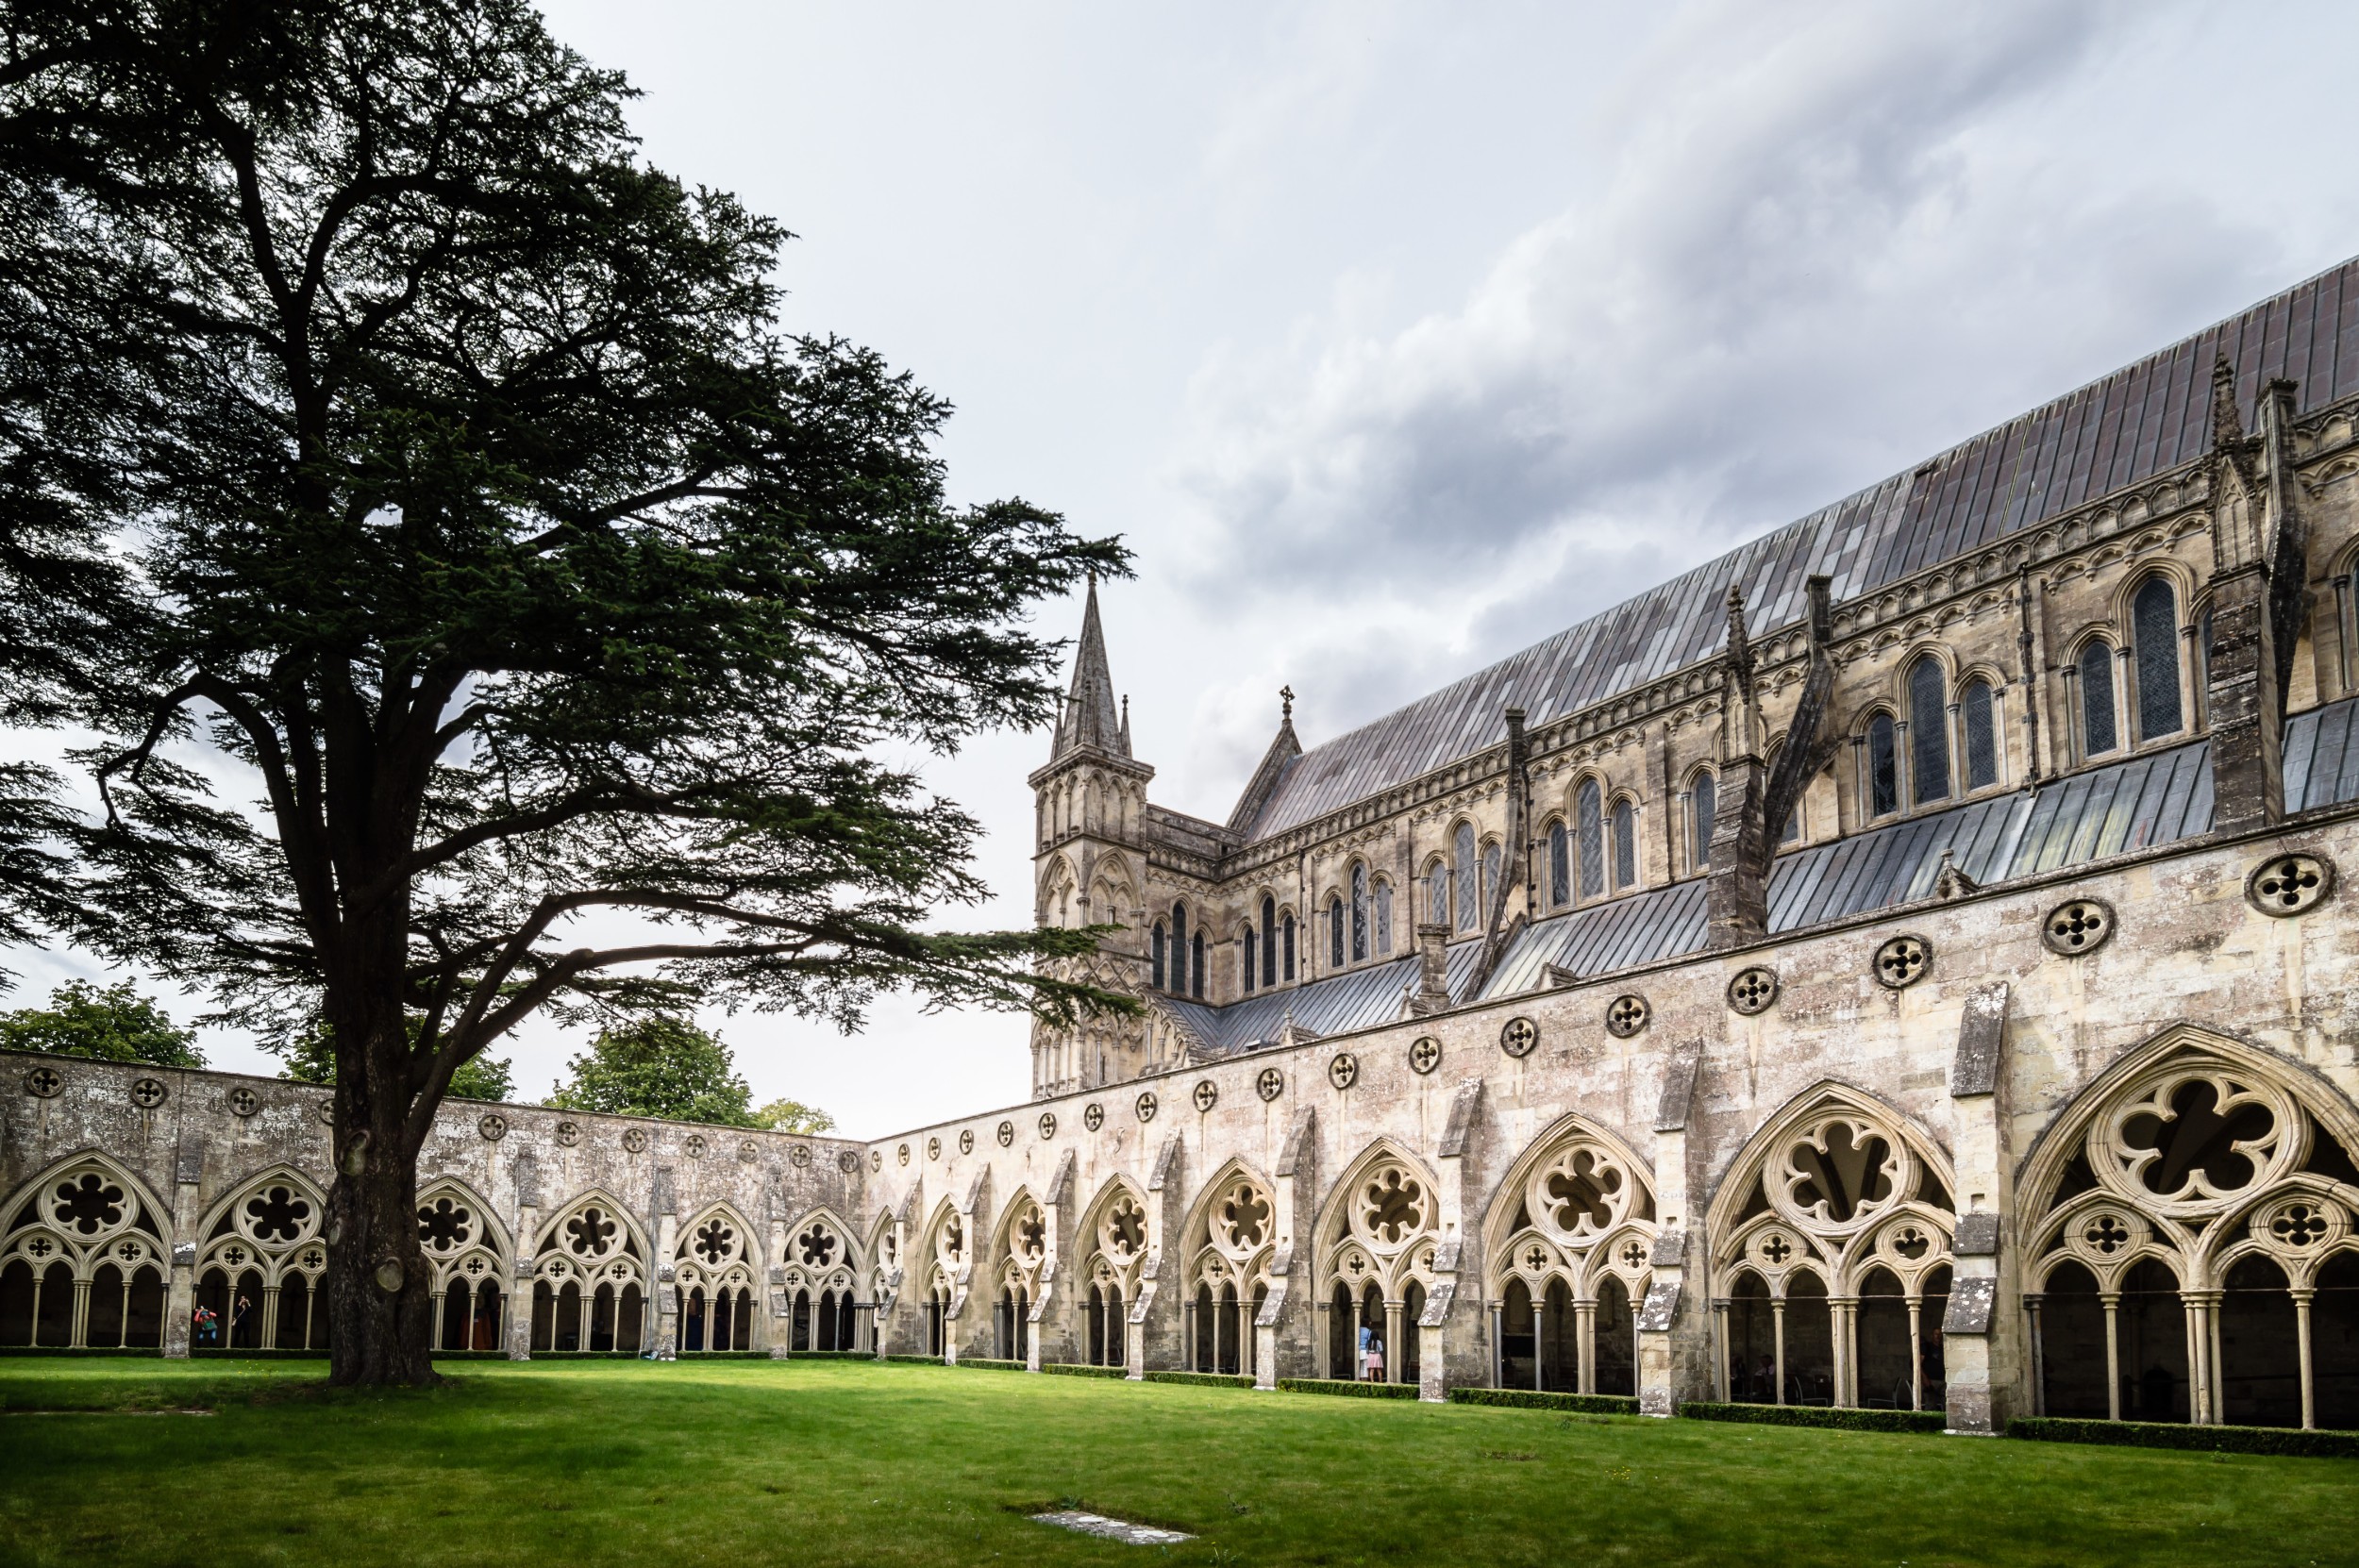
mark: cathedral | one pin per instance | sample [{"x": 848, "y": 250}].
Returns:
[{"x": 1897, "y": 966}]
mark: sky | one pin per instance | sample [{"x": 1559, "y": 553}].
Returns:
[{"x": 1394, "y": 338}]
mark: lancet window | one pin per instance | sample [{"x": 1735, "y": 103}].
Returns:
[
  {"x": 1625, "y": 844},
  {"x": 1360, "y": 911},
  {"x": 1882, "y": 782},
  {"x": 2100, "y": 733},
  {"x": 1560, "y": 865},
  {"x": 1467, "y": 894},
  {"x": 1929, "y": 732},
  {"x": 1704, "y": 801},
  {"x": 2154, "y": 642},
  {"x": 1270, "y": 950},
  {"x": 1589, "y": 813},
  {"x": 1978, "y": 712}
]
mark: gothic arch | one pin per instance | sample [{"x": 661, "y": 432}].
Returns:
[
  {"x": 85, "y": 1248},
  {"x": 1829, "y": 1247},
  {"x": 1379, "y": 1222},
  {"x": 2189, "y": 1230},
  {"x": 260, "y": 1261},
  {"x": 1568, "y": 1249}
]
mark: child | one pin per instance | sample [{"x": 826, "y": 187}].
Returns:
[{"x": 1376, "y": 1359}]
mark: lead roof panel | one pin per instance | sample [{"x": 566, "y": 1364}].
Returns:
[{"x": 2143, "y": 802}]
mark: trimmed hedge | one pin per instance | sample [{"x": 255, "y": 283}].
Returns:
[
  {"x": 913, "y": 1360},
  {"x": 227, "y": 1352},
  {"x": 1205, "y": 1379},
  {"x": 1347, "y": 1388},
  {"x": 1594, "y": 1404},
  {"x": 85, "y": 1351},
  {"x": 1816, "y": 1415},
  {"x": 987, "y": 1363},
  {"x": 2218, "y": 1440},
  {"x": 835, "y": 1356},
  {"x": 1083, "y": 1369}
]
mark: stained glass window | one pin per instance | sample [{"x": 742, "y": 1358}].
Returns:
[
  {"x": 1929, "y": 732},
  {"x": 2154, "y": 619},
  {"x": 2096, "y": 700}
]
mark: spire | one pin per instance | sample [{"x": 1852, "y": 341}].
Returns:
[{"x": 1090, "y": 711}]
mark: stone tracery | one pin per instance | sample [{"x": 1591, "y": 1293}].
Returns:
[
  {"x": 1831, "y": 1239},
  {"x": 82, "y": 1259},
  {"x": 2190, "y": 1244},
  {"x": 1569, "y": 1246},
  {"x": 589, "y": 1274},
  {"x": 1374, "y": 1261}
]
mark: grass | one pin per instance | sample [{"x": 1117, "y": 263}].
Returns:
[{"x": 821, "y": 1462}]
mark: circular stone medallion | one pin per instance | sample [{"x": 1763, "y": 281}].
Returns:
[
  {"x": 2078, "y": 926},
  {"x": 1752, "y": 990},
  {"x": 2286, "y": 885}
]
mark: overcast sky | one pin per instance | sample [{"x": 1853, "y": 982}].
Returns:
[{"x": 1394, "y": 338}]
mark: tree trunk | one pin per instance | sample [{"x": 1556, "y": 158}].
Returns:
[{"x": 380, "y": 1293}]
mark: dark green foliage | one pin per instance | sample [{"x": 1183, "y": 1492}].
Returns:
[
  {"x": 1593, "y": 1404},
  {"x": 659, "y": 1066},
  {"x": 913, "y": 1360},
  {"x": 2219, "y": 1440},
  {"x": 792, "y": 1116},
  {"x": 1814, "y": 1415},
  {"x": 371, "y": 413},
  {"x": 1083, "y": 1369},
  {"x": 115, "y": 1024},
  {"x": 1348, "y": 1388},
  {"x": 989, "y": 1363},
  {"x": 832, "y": 1356},
  {"x": 310, "y": 1057},
  {"x": 1204, "y": 1380}
]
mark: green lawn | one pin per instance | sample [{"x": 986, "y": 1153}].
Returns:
[{"x": 832, "y": 1462}]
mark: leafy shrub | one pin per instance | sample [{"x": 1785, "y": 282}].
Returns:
[
  {"x": 1814, "y": 1415},
  {"x": 1595, "y": 1403},
  {"x": 913, "y": 1360},
  {"x": 989, "y": 1363},
  {"x": 1083, "y": 1369},
  {"x": 1347, "y": 1388},
  {"x": 1204, "y": 1380},
  {"x": 2156, "y": 1434}
]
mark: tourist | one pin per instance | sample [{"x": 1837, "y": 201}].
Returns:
[
  {"x": 237, "y": 1316},
  {"x": 1375, "y": 1359}
]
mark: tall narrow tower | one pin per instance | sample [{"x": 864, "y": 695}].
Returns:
[{"x": 1089, "y": 864}]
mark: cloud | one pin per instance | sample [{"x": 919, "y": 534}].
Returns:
[{"x": 1815, "y": 244}]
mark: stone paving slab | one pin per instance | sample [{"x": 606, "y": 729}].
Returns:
[{"x": 1111, "y": 1529}]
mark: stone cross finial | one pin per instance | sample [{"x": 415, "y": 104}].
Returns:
[{"x": 1286, "y": 700}]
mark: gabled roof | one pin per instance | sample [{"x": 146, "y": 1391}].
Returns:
[
  {"x": 2143, "y": 802},
  {"x": 2135, "y": 424}
]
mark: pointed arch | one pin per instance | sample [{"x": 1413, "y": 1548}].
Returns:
[
  {"x": 1630, "y": 1210},
  {"x": 1379, "y": 1221},
  {"x": 151, "y": 1206},
  {"x": 627, "y": 1238}
]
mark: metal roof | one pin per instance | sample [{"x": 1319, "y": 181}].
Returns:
[
  {"x": 2129, "y": 426},
  {"x": 2142, "y": 802}
]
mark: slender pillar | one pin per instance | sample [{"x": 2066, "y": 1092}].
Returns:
[
  {"x": 1839, "y": 1328},
  {"x": 2301, "y": 1336},
  {"x": 1392, "y": 1342},
  {"x": 2039, "y": 1357},
  {"x": 1916, "y": 1353},
  {"x": 1539, "y": 1344},
  {"x": 2215, "y": 1375},
  {"x": 1585, "y": 1342},
  {"x": 1777, "y": 1314},
  {"x": 270, "y": 1317},
  {"x": 1721, "y": 1328},
  {"x": 80, "y": 1338},
  {"x": 1499, "y": 1357},
  {"x": 2113, "y": 1353}
]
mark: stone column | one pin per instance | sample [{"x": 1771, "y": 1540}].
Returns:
[
  {"x": 188, "y": 1212},
  {"x": 1982, "y": 1334},
  {"x": 1674, "y": 1346}
]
